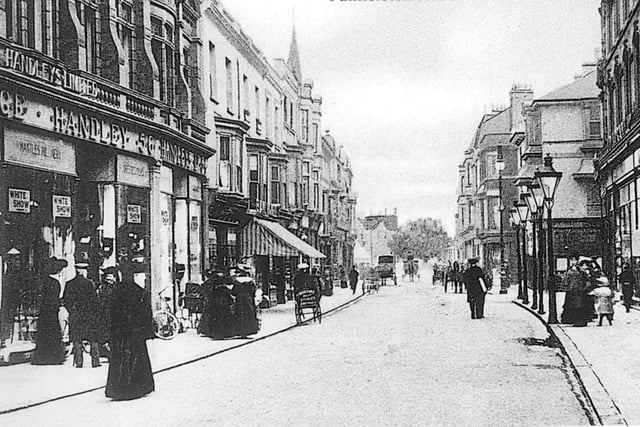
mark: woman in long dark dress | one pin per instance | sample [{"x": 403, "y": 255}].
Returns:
[
  {"x": 130, "y": 374},
  {"x": 217, "y": 318},
  {"x": 246, "y": 320},
  {"x": 49, "y": 347}
]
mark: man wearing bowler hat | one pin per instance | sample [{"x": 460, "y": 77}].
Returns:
[
  {"x": 476, "y": 285},
  {"x": 81, "y": 300}
]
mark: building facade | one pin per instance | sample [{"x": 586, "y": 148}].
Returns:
[
  {"x": 618, "y": 162},
  {"x": 104, "y": 147},
  {"x": 486, "y": 188},
  {"x": 566, "y": 124},
  {"x": 266, "y": 182},
  {"x": 374, "y": 233}
]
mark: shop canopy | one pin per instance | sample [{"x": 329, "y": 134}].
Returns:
[{"x": 262, "y": 237}]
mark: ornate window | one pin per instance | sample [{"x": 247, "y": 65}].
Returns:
[
  {"x": 126, "y": 35},
  {"x": 163, "y": 52}
]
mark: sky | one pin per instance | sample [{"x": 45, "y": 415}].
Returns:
[{"x": 405, "y": 83}]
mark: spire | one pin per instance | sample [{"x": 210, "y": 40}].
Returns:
[{"x": 294, "y": 57}]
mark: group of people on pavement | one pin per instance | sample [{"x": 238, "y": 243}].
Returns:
[
  {"x": 589, "y": 293},
  {"x": 229, "y": 305},
  {"x": 116, "y": 315}
]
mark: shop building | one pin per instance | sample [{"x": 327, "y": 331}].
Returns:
[
  {"x": 566, "y": 124},
  {"x": 486, "y": 189},
  {"x": 259, "y": 180},
  {"x": 618, "y": 162},
  {"x": 103, "y": 152}
]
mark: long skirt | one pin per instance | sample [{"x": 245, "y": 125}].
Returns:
[
  {"x": 130, "y": 375},
  {"x": 246, "y": 320},
  {"x": 49, "y": 348}
]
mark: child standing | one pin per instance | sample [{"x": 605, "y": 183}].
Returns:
[{"x": 604, "y": 300}]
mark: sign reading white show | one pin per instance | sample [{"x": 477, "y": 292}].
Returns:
[
  {"x": 61, "y": 206},
  {"x": 19, "y": 200},
  {"x": 134, "y": 214}
]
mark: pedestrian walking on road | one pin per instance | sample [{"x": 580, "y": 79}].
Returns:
[
  {"x": 49, "y": 347},
  {"x": 456, "y": 277},
  {"x": 353, "y": 279},
  {"x": 627, "y": 280},
  {"x": 81, "y": 300},
  {"x": 476, "y": 285},
  {"x": 130, "y": 375}
]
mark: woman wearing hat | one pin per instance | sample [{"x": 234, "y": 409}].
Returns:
[
  {"x": 130, "y": 375},
  {"x": 217, "y": 320},
  {"x": 49, "y": 347}
]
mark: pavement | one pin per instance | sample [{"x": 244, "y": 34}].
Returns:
[
  {"x": 26, "y": 385},
  {"x": 605, "y": 360}
]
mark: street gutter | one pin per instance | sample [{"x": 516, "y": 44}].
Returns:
[
  {"x": 600, "y": 407},
  {"x": 196, "y": 359}
]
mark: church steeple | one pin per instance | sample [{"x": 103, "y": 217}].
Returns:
[{"x": 294, "y": 57}]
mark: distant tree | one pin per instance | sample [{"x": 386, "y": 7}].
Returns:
[{"x": 423, "y": 238}]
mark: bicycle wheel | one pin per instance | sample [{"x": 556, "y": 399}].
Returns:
[{"x": 166, "y": 325}]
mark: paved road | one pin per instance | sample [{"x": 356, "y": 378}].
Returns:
[{"x": 407, "y": 356}]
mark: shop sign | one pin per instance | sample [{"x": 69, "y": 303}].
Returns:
[
  {"x": 180, "y": 156},
  {"x": 195, "y": 223},
  {"x": 39, "y": 150},
  {"x": 19, "y": 200},
  {"x": 133, "y": 171},
  {"x": 98, "y": 129},
  {"x": 134, "y": 214},
  {"x": 61, "y": 206},
  {"x": 165, "y": 217},
  {"x": 195, "y": 188},
  {"x": 48, "y": 72}
]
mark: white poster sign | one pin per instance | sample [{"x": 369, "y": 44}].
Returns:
[
  {"x": 61, "y": 206},
  {"x": 19, "y": 200},
  {"x": 134, "y": 214}
]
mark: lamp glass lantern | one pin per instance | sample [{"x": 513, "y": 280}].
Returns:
[
  {"x": 537, "y": 195},
  {"x": 523, "y": 211},
  {"x": 515, "y": 216},
  {"x": 548, "y": 179},
  {"x": 530, "y": 202}
]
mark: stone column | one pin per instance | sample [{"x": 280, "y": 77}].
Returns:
[{"x": 155, "y": 242}]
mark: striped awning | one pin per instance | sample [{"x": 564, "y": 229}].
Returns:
[{"x": 262, "y": 237}]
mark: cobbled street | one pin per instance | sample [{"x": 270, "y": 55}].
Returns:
[{"x": 409, "y": 355}]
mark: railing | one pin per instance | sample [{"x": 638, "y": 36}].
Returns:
[{"x": 140, "y": 108}]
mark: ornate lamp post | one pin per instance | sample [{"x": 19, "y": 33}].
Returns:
[
  {"x": 500, "y": 168},
  {"x": 548, "y": 179},
  {"x": 538, "y": 198},
  {"x": 515, "y": 221},
  {"x": 533, "y": 211},
  {"x": 522, "y": 210}
]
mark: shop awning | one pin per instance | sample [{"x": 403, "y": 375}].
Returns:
[{"x": 262, "y": 237}]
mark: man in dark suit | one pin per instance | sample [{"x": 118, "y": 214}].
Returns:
[
  {"x": 81, "y": 300},
  {"x": 475, "y": 282}
]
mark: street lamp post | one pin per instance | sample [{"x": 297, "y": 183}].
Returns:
[
  {"x": 522, "y": 211},
  {"x": 533, "y": 210},
  {"x": 515, "y": 221},
  {"x": 500, "y": 168},
  {"x": 538, "y": 197},
  {"x": 548, "y": 179}
]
